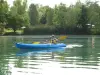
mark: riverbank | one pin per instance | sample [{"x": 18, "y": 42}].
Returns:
[{"x": 48, "y": 30}]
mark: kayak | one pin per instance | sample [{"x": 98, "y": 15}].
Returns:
[{"x": 32, "y": 46}]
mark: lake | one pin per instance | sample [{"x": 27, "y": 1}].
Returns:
[{"x": 81, "y": 56}]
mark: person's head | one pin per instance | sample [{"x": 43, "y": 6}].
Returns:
[{"x": 53, "y": 35}]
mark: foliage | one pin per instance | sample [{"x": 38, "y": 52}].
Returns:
[
  {"x": 3, "y": 15},
  {"x": 39, "y": 29},
  {"x": 59, "y": 17},
  {"x": 49, "y": 16},
  {"x": 3, "y": 11},
  {"x": 18, "y": 15},
  {"x": 83, "y": 20},
  {"x": 94, "y": 15},
  {"x": 44, "y": 14},
  {"x": 80, "y": 18},
  {"x": 33, "y": 14}
]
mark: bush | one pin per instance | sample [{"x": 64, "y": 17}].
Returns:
[{"x": 40, "y": 29}]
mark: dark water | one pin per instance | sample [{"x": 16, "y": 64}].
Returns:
[{"x": 82, "y": 56}]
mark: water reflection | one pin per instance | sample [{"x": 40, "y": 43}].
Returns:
[
  {"x": 32, "y": 52},
  {"x": 93, "y": 42},
  {"x": 82, "y": 55}
]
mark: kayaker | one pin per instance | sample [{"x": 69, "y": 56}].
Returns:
[{"x": 53, "y": 39}]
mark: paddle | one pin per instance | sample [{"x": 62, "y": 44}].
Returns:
[
  {"x": 60, "y": 38},
  {"x": 36, "y": 42}
]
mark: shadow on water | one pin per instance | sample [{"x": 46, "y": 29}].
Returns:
[{"x": 32, "y": 52}]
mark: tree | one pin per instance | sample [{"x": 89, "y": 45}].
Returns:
[
  {"x": 43, "y": 19},
  {"x": 44, "y": 15},
  {"x": 59, "y": 17},
  {"x": 83, "y": 19},
  {"x": 49, "y": 16},
  {"x": 3, "y": 10},
  {"x": 33, "y": 14},
  {"x": 3, "y": 15},
  {"x": 18, "y": 15},
  {"x": 94, "y": 15},
  {"x": 72, "y": 16}
]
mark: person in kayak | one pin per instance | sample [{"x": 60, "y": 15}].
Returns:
[{"x": 53, "y": 39}]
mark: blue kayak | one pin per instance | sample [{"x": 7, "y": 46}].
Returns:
[{"x": 32, "y": 46}]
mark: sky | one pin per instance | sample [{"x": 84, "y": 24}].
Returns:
[{"x": 50, "y": 3}]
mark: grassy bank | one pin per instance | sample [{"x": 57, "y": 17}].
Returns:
[
  {"x": 47, "y": 30},
  {"x": 36, "y": 30},
  {"x": 11, "y": 32}
]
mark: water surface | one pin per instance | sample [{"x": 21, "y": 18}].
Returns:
[{"x": 82, "y": 56}]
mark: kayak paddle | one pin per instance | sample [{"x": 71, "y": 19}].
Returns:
[{"x": 60, "y": 38}]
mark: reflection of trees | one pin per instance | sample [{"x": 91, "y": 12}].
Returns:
[
  {"x": 95, "y": 50},
  {"x": 88, "y": 54},
  {"x": 3, "y": 67},
  {"x": 77, "y": 52},
  {"x": 6, "y": 51},
  {"x": 3, "y": 51},
  {"x": 85, "y": 55},
  {"x": 23, "y": 61},
  {"x": 19, "y": 62}
]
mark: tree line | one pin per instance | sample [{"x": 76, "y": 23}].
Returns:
[{"x": 80, "y": 18}]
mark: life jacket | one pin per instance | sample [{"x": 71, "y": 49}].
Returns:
[{"x": 53, "y": 41}]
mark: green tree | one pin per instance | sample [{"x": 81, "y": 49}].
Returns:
[
  {"x": 3, "y": 11},
  {"x": 44, "y": 15},
  {"x": 59, "y": 17},
  {"x": 83, "y": 19},
  {"x": 49, "y": 16},
  {"x": 94, "y": 15},
  {"x": 33, "y": 14},
  {"x": 18, "y": 15},
  {"x": 72, "y": 16},
  {"x": 3, "y": 15},
  {"x": 43, "y": 19}
]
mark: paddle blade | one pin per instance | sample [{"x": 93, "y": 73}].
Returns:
[
  {"x": 62, "y": 37},
  {"x": 36, "y": 42}
]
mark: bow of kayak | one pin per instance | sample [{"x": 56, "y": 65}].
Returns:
[{"x": 31, "y": 46}]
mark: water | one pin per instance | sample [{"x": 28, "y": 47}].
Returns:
[{"x": 81, "y": 56}]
